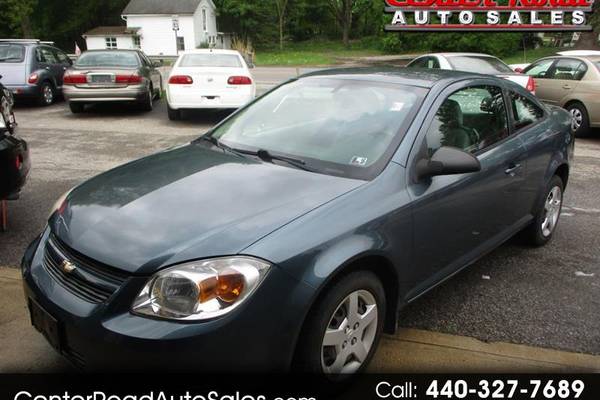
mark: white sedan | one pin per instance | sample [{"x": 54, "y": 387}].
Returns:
[{"x": 209, "y": 79}]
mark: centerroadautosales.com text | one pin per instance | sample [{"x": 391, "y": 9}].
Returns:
[{"x": 24, "y": 395}]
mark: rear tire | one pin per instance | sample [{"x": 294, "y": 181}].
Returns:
[
  {"x": 174, "y": 115},
  {"x": 338, "y": 337},
  {"x": 47, "y": 94},
  {"x": 76, "y": 108},
  {"x": 581, "y": 120},
  {"x": 547, "y": 214},
  {"x": 148, "y": 103}
]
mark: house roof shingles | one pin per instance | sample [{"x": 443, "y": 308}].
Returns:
[
  {"x": 167, "y": 7},
  {"x": 111, "y": 30}
]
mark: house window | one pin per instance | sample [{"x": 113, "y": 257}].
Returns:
[
  {"x": 137, "y": 42},
  {"x": 204, "y": 22},
  {"x": 180, "y": 43},
  {"x": 111, "y": 42}
]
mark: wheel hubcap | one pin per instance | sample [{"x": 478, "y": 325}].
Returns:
[
  {"x": 48, "y": 94},
  {"x": 577, "y": 119},
  {"x": 552, "y": 209},
  {"x": 350, "y": 334}
]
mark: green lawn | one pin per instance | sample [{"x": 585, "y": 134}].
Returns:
[
  {"x": 311, "y": 53},
  {"x": 531, "y": 55}
]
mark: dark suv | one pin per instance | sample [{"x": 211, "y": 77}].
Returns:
[{"x": 33, "y": 69}]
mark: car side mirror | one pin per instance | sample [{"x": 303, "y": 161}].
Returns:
[
  {"x": 448, "y": 161},
  {"x": 157, "y": 64},
  {"x": 519, "y": 70}
]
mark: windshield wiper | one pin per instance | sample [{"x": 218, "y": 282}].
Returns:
[
  {"x": 265, "y": 155},
  {"x": 217, "y": 143}
]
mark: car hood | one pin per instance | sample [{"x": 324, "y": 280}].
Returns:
[{"x": 187, "y": 203}]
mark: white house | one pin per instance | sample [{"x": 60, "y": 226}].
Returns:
[{"x": 162, "y": 28}]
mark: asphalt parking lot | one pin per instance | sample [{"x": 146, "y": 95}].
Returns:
[{"x": 546, "y": 297}]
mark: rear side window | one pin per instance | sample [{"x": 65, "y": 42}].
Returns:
[
  {"x": 525, "y": 111},
  {"x": 570, "y": 70},
  {"x": 211, "y": 60},
  {"x": 12, "y": 53},
  {"x": 471, "y": 119},
  {"x": 62, "y": 57},
  {"x": 480, "y": 65},
  {"x": 48, "y": 55}
]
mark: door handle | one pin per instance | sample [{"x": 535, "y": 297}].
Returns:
[
  {"x": 567, "y": 87},
  {"x": 512, "y": 169}
]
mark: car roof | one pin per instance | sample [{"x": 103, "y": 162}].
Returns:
[
  {"x": 211, "y": 51},
  {"x": 463, "y": 55},
  {"x": 425, "y": 78}
]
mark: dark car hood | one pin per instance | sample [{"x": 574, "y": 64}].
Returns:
[{"x": 187, "y": 203}]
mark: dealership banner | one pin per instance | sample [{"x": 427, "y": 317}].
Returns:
[
  {"x": 489, "y": 15},
  {"x": 296, "y": 387}
]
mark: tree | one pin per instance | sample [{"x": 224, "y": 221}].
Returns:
[
  {"x": 589, "y": 40},
  {"x": 17, "y": 14},
  {"x": 281, "y": 8},
  {"x": 342, "y": 11}
]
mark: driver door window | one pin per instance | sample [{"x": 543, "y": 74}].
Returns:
[{"x": 471, "y": 119}]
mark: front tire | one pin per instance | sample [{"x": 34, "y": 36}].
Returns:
[
  {"x": 344, "y": 327},
  {"x": 581, "y": 120},
  {"x": 547, "y": 216}
]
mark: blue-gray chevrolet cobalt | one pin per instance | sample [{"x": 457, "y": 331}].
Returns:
[{"x": 291, "y": 234}]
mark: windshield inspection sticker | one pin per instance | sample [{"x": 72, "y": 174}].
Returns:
[{"x": 360, "y": 161}]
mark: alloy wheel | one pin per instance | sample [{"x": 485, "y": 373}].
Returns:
[
  {"x": 350, "y": 334},
  {"x": 577, "y": 119},
  {"x": 552, "y": 209},
  {"x": 48, "y": 94}
]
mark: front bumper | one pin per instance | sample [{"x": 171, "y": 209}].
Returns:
[
  {"x": 258, "y": 336},
  {"x": 99, "y": 94}
]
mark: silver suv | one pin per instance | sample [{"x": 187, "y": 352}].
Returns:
[{"x": 32, "y": 69}]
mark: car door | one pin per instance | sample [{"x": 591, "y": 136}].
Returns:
[
  {"x": 540, "y": 72},
  {"x": 457, "y": 218},
  {"x": 564, "y": 79},
  {"x": 53, "y": 65},
  {"x": 64, "y": 62},
  {"x": 151, "y": 71}
]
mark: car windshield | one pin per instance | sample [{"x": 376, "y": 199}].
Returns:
[
  {"x": 108, "y": 59},
  {"x": 211, "y": 60},
  {"x": 12, "y": 53},
  {"x": 339, "y": 127},
  {"x": 480, "y": 65}
]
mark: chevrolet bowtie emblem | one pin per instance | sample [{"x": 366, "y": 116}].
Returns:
[{"x": 68, "y": 267}]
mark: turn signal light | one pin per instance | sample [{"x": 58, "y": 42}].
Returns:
[
  {"x": 181, "y": 80},
  {"x": 33, "y": 78},
  {"x": 227, "y": 287},
  {"x": 239, "y": 80},
  {"x": 74, "y": 79},
  {"x": 531, "y": 85},
  {"x": 19, "y": 161},
  {"x": 128, "y": 79}
]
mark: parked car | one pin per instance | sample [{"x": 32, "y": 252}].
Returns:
[
  {"x": 473, "y": 62},
  {"x": 101, "y": 76},
  {"x": 571, "y": 82},
  {"x": 32, "y": 69},
  {"x": 14, "y": 152},
  {"x": 295, "y": 230},
  {"x": 214, "y": 79}
]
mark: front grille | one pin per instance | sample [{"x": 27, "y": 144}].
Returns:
[{"x": 90, "y": 280}]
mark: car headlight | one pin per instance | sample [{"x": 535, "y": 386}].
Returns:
[
  {"x": 60, "y": 203},
  {"x": 200, "y": 290}
]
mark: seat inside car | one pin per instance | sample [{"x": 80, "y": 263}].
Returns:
[{"x": 454, "y": 132}]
